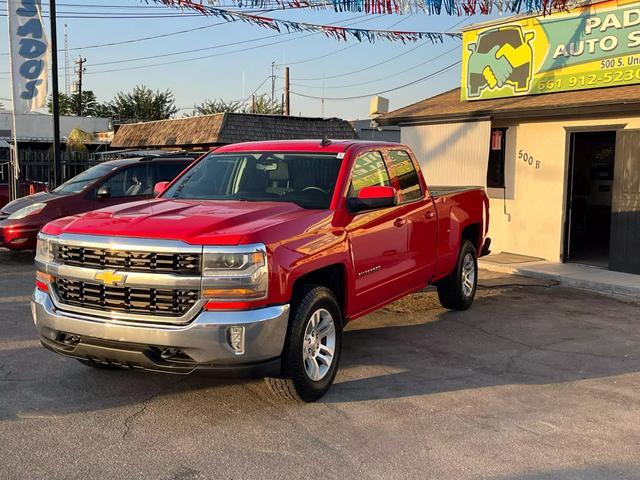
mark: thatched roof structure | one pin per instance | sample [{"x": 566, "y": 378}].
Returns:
[{"x": 225, "y": 128}]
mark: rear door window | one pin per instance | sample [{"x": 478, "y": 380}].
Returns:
[
  {"x": 131, "y": 181},
  {"x": 369, "y": 170},
  {"x": 404, "y": 172}
]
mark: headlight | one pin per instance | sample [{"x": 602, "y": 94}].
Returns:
[
  {"x": 44, "y": 249},
  {"x": 235, "y": 273},
  {"x": 26, "y": 211}
]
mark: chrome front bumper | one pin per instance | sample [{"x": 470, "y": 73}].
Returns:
[{"x": 203, "y": 343}]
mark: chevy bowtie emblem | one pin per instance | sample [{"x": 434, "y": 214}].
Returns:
[{"x": 109, "y": 277}]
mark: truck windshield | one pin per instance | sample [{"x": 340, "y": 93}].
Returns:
[
  {"x": 308, "y": 180},
  {"x": 84, "y": 179}
]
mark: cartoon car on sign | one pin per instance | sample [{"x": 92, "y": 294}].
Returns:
[{"x": 501, "y": 56}]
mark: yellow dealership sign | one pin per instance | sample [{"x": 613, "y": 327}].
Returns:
[{"x": 590, "y": 47}]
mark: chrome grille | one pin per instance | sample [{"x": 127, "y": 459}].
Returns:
[
  {"x": 177, "y": 263},
  {"x": 151, "y": 301}
]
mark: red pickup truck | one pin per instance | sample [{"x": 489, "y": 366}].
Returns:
[{"x": 254, "y": 259}]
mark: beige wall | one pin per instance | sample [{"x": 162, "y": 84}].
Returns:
[
  {"x": 530, "y": 220},
  {"x": 451, "y": 152}
]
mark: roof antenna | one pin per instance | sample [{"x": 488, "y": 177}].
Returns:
[{"x": 325, "y": 142}]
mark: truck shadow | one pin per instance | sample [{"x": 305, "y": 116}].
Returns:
[
  {"x": 515, "y": 336},
  {"x": 510, "y": 336}
]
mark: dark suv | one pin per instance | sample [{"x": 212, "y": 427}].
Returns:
[{"x": 127, "y": 179}]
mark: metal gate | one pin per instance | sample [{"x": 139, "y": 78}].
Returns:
[{"x": 625, "y": 215}]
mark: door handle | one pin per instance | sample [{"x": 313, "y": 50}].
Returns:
[
  {"x": 399, "y": 222},
  {"x": 429, "y": 215}
]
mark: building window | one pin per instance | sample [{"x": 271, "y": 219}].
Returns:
[{"x": 495, "y": 170}]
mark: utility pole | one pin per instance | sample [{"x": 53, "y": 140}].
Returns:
[
  {"x": 253, "y": 103},
  {"x": 67, "y": 77},
  {"x": 55, "y": 100},
  {"x": 287, "y": 98},
  {"x": 273, "y": 82},
  {"x": 80, "y": 71}
]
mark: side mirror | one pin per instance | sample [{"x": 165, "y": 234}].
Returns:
[
  {"x": 370, "y": 198},
  {"x": 103, "y": 193},
  {"x": 160, "y": 187}
]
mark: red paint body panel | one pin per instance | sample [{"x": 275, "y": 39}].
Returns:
[{"x": 383, "y": 254}]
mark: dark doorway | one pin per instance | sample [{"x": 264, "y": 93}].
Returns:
[{"x": 589, "y": 201}]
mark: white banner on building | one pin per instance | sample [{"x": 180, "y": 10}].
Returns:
[{"x": 29, "y": 50}]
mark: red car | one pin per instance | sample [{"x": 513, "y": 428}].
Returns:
[
  {"x": 108, "y": 183},
  {"x": 254, "y": 259},
  {"x": 25, "y": 188}
]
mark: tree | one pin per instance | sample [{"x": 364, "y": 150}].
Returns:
[
  {"x": 143, "y": 104},
  {"x": 70, "y": 105},
  {"x": 261, "y": 104},
  {"x": 264, "y": 105},
  {"x": 209, "y": 107}
]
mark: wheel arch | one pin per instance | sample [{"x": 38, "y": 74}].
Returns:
[{"x": 333, "y": 277}]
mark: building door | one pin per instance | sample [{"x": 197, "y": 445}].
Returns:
[
  {"x": 590, "y": 198},
  {"x": 625, "y": 221}
]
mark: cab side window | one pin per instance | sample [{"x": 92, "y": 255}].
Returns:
[
  {"x": 368, "y": 170},
  {"x": 131, "y": 181},
  {"x": 402, "y": 169}
]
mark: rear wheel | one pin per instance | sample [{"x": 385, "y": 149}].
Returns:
[
  {"x": 457, "y": 291},
  {"x": 312, "y": 349}
]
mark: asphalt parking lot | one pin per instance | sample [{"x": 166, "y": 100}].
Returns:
[{"x": 534, "y": 382}]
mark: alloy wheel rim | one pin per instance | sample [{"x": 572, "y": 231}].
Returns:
[
  {"x": 468, "y": 275},
  {"x": 318, "y": 346}
]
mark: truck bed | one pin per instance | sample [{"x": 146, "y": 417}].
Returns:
[{"x": 442, "y": 190}]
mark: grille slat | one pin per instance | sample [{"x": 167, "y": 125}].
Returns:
[
  {"x": 170, "y": 303},
  {"x": 176, "y": 263}
]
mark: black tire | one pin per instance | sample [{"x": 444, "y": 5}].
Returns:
[
  {"x": 294, "y": 383},
  {"x": 451, "y": 290}
]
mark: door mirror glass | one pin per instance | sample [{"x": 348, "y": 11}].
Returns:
[
  {"x": 370, "y": 198},
  {"x": 103, "y": 193},
  {"x": 160, "y": 187}
]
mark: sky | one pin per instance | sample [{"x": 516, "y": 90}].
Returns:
[{"x": 319, "y": 66}]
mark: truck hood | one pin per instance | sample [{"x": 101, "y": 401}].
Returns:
[
  {"x": 42, "y": 197},
  {"x": 196, "y": 222}
]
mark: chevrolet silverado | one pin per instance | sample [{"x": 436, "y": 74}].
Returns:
[{"x": 254, "y": 259}]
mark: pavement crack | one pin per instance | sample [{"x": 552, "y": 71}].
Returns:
[
  {"x": 146, "y": 403},
  {"x": 130, "y": 418}
]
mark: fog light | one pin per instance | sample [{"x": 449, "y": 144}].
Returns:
[
  {"x": 236, "y": 339},
  {"x": 169, "y": 353},
  {"x": 68, "y": 339}
]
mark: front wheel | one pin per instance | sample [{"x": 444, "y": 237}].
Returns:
[
  {"x": 312, "y": 349},
  {"x": 457, "y": 291}
]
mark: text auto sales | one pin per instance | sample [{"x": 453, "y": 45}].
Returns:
[{"x": 626, "y": 19}]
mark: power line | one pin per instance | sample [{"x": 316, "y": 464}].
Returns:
[
  {"x": 344, "y": 48},
  {"x": 211, "y": 47},
  {"x": 142, "y": 39},
  {"x": 361, "y": 20},
  {"x": 357, "y": 84},
  {"x": 353, "y": 72},
  {"x": 202, "y": 57},
  {"x": 356, "y": 97}
]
